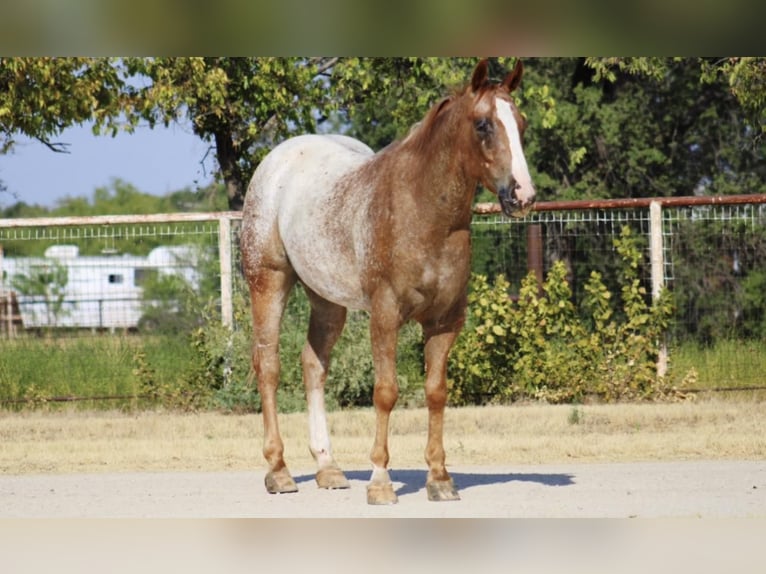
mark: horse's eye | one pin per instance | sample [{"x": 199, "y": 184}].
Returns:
[{"x": 484, "y": 127}]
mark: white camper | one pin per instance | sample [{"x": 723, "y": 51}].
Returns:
[{"x": 99, "y": 292}]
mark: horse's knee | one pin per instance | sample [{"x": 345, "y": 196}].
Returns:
[
  {"x": 384, "y": 395},
  {"x": 265, "y": 362},
  {"x": 436, "y": 397}
]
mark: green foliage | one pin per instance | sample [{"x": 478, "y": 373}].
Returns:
[
  {"x": 219, "y": 374},
  {"x": 241, "y": 105},
  {"x": 47, "y": 283},
  {"x": 202, "y": 376},
  {"x": 40, "y": 97},
  {"x": 598, "y": 127},
  {"x": 379, "y": 99},
  {"x": 719, "y": 281},
  {"x": 745, "y": 77},
  {"x": 754, "y": 304},
  {"x": 637, "y": 127},
  {"x": 172, "y": 305},
  {"x": 541, "y": 348},
  {"x": 626, "y": 350}
]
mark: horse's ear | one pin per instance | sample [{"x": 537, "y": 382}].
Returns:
[
  {"x": 479, "y": 79},
  {"x": 442, "y": 105},
  {"x": 513, "y": 79}
]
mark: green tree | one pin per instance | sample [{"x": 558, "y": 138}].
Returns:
[
  {"x": 638, "y": 127},
  {"x": 378, "y": 99},
  {"x": 598, "y": 127},
  {"x": 242, "y": 106},
  {"x": 744, "y": 76},
  {"x": 41, "y": 97}
]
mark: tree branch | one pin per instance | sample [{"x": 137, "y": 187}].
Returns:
[
  {"x": 324, "y": 64},
  {"x": 58, "y": 147}
]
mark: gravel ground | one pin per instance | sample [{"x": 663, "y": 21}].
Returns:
[{"x": 654, "y": 489}]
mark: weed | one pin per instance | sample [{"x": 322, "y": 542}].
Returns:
[{"x": 575, "y": 416}]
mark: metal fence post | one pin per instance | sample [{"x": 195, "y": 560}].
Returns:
[
  {"x": 535, "y": 253},
  {"x": 657, "y": 261}
]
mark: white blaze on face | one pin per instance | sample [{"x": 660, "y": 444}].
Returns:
[{"x": 526, "y": 190}]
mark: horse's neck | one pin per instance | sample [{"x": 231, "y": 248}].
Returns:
[{"x": 441, "y": 180}]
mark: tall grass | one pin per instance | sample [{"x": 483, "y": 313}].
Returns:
[
  {"x": 39, "y": 369},
  {"x": 726, "y": 364}
]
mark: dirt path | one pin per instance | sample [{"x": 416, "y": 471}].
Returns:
[{"x": 657, "y": 489}]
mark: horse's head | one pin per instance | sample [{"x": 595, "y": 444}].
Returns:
[{"x": 498, "y": 132}]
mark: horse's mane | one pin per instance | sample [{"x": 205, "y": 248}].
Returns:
[{"x": 421, "y": 134}]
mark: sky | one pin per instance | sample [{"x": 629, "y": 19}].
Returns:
[{"x": 155, "y": 161}]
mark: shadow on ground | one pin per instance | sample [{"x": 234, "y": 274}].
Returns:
[{"x": 415, "y": 480}]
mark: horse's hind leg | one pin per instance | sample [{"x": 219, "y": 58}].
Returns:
[
  {"x": 269, "y": 290},
  {"x": 325, "y": 326}
]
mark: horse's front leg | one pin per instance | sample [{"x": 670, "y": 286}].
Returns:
[
  {"x": 384, "y": 327},
  {"x": 439, "y": 340}
]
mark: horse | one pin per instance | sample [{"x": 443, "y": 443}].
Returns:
[{"x": 385, "y": 232}]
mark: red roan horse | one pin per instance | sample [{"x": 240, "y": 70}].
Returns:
[{"x": 387, "y": 232}]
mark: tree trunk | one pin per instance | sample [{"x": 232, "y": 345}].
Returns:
[{"x": 230, "y": 170}]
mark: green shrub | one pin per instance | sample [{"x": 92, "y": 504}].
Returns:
[
  {"x": 219, "y": 373},
  {"x": 541, "y": 348}
]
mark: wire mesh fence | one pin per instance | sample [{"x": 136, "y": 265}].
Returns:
[
  {"x": 64, "y": 279},
  {"x": 85, "y": 302},
  {"x": 713, "y": 260},
  {"x": 583, "y": 240},
  {"x": 715, "y": 251}
]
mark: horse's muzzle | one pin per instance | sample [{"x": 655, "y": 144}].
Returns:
[{"x": 510, "y": 203}]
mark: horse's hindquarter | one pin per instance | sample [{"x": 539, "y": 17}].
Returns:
[{"x": 322, "y": 224}]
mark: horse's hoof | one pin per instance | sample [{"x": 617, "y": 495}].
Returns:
[
  {"x": 441, "y": 490},
  {"x": 280, "y": 482},
  {"x": 332, "y": 478},
  {"x": 379, "y": 494}
]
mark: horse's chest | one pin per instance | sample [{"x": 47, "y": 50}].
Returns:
[{"x": 441, "y": 275}]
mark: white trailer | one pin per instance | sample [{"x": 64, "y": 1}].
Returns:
[{"x": 101, "y": 292}]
